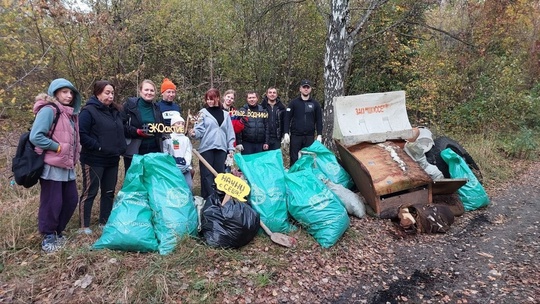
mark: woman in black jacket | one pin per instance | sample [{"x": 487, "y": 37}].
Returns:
[
  {"x": 140, "y": 114},
  {"x": 102, "y": 140}
]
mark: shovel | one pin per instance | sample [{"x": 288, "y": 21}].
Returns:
[
  {"x": 276, "y": 237},
  {"x": 187, "y": 123},
  {"x": 279, "y": 238}
]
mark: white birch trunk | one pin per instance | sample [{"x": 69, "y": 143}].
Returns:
[
  {"x": 340, "y": 41},
  {"x": 338, "y": 49}
]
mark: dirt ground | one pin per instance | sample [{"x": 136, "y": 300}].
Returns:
[{"x": 489, "y": 256}]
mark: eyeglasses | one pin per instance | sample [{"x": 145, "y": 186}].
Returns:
[{"x": 306, "y": 87}]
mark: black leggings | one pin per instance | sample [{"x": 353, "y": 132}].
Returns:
[{"x": 95, "y": 178}]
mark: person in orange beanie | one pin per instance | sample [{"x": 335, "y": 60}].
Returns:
[{"x": 167, "y": 105}]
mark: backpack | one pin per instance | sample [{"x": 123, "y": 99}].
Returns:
[{"x": 27, "y": 165}]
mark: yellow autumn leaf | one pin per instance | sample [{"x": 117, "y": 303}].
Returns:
[{"x": 13, "y": 100}]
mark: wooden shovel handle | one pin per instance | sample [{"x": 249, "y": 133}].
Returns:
[
  {"x": 266, "y": 229},
  {"x": 187, "y": 122},
  {"x": 206, "y": 164},
  {"x": 209, "y": 167},
  {"x": 226, "y": 198}
]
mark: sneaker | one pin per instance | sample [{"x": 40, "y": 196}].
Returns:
[
  {"x": 49, "y": 243},
  {"x": 85, "y": 230},
  {"x": 61, "y": 240}
]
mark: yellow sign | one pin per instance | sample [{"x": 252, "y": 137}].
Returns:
[{"x": 232, "y": 185}]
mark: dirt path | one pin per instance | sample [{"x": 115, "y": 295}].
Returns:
[{"x": 489, "y": 256}]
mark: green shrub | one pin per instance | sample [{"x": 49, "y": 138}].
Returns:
[{"x": 523, "y": 145}]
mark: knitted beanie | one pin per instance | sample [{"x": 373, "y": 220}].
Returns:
[
  {"x": 175, "y": 119},
  {"x": 166, "y": 85}
]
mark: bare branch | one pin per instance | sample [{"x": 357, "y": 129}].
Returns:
[
  {"x": 373, "y": 5},
  {"x": 391, "y": 26},
  {"x": 443, "y": 32},
  {"x": 278, "y": 5},
  {"x": 29, "y": 72},
  {"x": 320, "y": 9}
]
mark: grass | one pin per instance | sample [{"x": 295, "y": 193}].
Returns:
[
  {"x": 488, "y": 152},
  {"x": 193, "y": 273}
]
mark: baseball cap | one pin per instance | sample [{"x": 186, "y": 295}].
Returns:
[{"x": 305, "y": 82}]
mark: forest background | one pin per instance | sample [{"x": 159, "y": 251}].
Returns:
[
  {"x": 470, "y": 70},
  {"x": 468, "y": 67}
]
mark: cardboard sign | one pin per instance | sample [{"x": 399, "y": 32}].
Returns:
[
  {"x": 373, "y": 117},
  {"x": 232, "y": 185},
  {"x": 161, "y": 128},
  {"x": 248, "y": 113}
]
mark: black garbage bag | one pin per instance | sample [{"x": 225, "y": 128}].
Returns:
[
  {"x": 230, "y": 226},
  {"x": 433, "y": 156}
]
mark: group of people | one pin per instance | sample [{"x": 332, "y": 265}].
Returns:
[{"x": 101, "y": 131}]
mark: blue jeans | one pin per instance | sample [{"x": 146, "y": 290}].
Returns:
[{"x": 251, "y": 148}]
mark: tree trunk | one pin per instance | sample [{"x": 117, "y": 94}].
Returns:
[
  {"x": 340, "y": 41},
  {"x": 338, "y": 50}
]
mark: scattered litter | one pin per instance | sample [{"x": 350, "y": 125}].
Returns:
[{"x": 84, "y": 282}]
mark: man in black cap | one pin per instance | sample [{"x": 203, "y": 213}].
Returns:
[{"x": 302, "y": 118}]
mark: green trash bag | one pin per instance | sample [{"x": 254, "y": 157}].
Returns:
[
  {"x": 472, "y": 194},
  {"x": 325, "y": 161},
  {"x": 129, "y": 227},
  {"x": 265, "y": 175},
  {"x": 316, "y": 208},
  {"x": 171, "y": 200}
]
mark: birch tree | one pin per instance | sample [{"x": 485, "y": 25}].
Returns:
[{"x": 343, "y": 34}]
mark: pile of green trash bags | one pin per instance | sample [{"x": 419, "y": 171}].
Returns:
[
  {"x": 472, "y": 194},
  {"x": 266, "y": 176},
  {"x": 316, "y": 208},
  {"x": 300, "y": 193},
  {"x": 325, "y": 161},
  {"x": 154, "y": 209}
]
